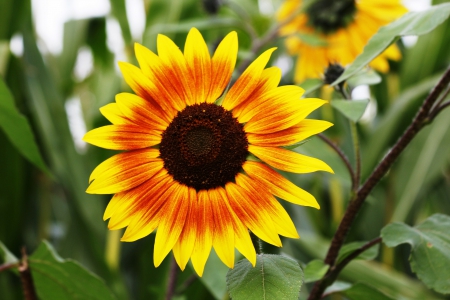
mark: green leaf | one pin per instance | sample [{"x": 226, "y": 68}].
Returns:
[
  {"x": 360, "y": 291},
  {"x": 430, "y": 254},
  {"x": 348, "y": 249},
  {"x": 312, "y": 39},
  {"x": 18, "y": 130},
  {"x": 6, "y": 256},
  {"x": 4, "y": 56},
  {"x": 56, "y": 278},
  {"x": 200, "y": 24},
  {"x": 364, "y": 77},
  {"x": 315, "y": 270},
  {"x": 273, "y": 277},
  {"x": 412, "y": 23},
  {"x": 119, "y": 11},
  {"x": 351, "y": 109},
  {"x": 310, "y": 85}
]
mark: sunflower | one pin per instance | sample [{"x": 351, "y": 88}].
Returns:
[
  {"x": 327, "y": 32},
  {"x": 198, "y": 161}
]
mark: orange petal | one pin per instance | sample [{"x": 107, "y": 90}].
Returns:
[
  {"x": 148, "y": 213},
  {"x": 183, "y": 248},
  {"x": 170, "y": 89},
  {"x": 278, "y": 185},
  {"x": 173, "y": 218},
  {"x": 223, "y": 236},
  {"x": 137, "y": 110},
  {"x": 145, "y": 88},
  {"x": 199, "y": 65},
  {"x": 223, "y": 62},
  {"x": 247, "y": 82},
  {"x": 242, "y": 238},
  {"x": 176, "y": 67},
  {"x": 132, "y": 204},
  {"x": 246, "y": 207},
  {"x": 122, "y": 137},
  {"x": 287, "y": 160},
  {"x": 280, "y": 217},
  {"x": 205, "y": 230},
  {"x": 280, "y": 114},
  {"x": 289, "y": 136},
  {"x": 112, "y": 112}
]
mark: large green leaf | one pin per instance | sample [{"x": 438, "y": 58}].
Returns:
[
  {"x": 274, "y": 277},
  {"x": 430, "y": 254},
  {"x": 17, "y": 128},
  {"x": 351, "y": 109},
  {"x": 6, "y": 257},
  {"x": 412, "y": 23},
  {"x": 56, "y": 278}
]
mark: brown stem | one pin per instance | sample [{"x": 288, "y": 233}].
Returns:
[
  {"x": 25, "y": 276},
  {"x": 343, "y": 157},
  {"x": 382, "y": 168},
  {"x": 173, "y": 274},
  {"x": 5, "y": 267},
  {"x": 186, "y": 284}
]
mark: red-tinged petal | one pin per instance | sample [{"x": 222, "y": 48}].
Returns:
[
  {"x": 283, "y": 98},
  {"x": 112, "y": 112},
  {"x": 129, "y": 159},
  {"x": 223, "y": 62},
  {"x": 176, "y": 67},
  {"x": 290, "y": 136},
  {"x": 185, "y": 245},
  {"x": 152, "y": 66},
  {"x": 122, "y": 137},
  {"x": 199, "y": 65},
  {"x": 279, "y": 115},
  {"x": 247, "y": 82},
  {"x": 125, "y": 176},
  {"x": 223, "y": 236},
  {"x": 280, "y": 217},
  {"x": 145, "y": 88},
  {"x": 133, "y": 204},
  {"x": 148, "y": 215},
  {"x": 278, "y": 185},
  {"x": 139, "y": 112},
  {"x": 287, "y": 160},
  {"x": 246, "y": 206},
  {"x": 270, "y": 78},
  {"x": 205, "y": 229},
  {"x": 173, "y": 218},
  {"x": 242, "y": 238}
]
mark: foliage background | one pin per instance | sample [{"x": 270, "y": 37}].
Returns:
[{"x": 51, "y": 91}]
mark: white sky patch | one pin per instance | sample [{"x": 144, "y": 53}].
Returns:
[
  {"x": 363, "y": 92},
  {"x": 284, "y": 62},
  {"x": 16, "y": 45},
  {"x": 84, "y": 64},
  {"x": 136, "y": 18},
  {"x": 76, "y": 123},
  {"x": 115, "y": 41},
  {"x": 266, "y": 7}
]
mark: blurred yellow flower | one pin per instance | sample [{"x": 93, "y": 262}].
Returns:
[
  {"x": 185, "y": 169},
  {"x": 325, "y": 32}
]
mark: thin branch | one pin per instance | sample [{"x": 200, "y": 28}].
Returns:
[
  {"x": 357, "y": 151},
  {"x": 5, "y": 267},
  {"x": 29, "y": 290},
  {"x": 172, "y": 282},
  {"x": 258, "y": 44},
  {"x": 382, "y": 168},
  {"x": 190, "y": 280},
  {"x": 343, "y": 157},
  {"x": 437, "y": 110}
]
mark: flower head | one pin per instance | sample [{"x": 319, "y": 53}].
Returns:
[
  {"x": 328, "y": 32},
  {"x": 185, "y": 169}
]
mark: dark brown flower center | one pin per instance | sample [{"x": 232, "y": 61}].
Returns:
[
  {"x": 204, "y": 146},
  {"x": 328, "y": 16}
]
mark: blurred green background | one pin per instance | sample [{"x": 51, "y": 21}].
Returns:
[{"x": 60, "y": 76}]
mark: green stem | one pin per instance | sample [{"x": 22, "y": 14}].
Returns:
[
  {"x": 257, "y": 243},
  {"x": 113, "y": 245},
  {"x": 357, "y": 152}
]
